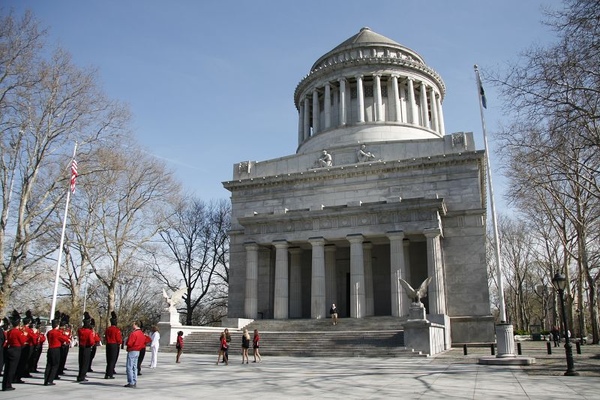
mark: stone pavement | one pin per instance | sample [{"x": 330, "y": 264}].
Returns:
[{"x": 446, "y": 376}]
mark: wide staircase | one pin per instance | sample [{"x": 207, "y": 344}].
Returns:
[{"x": 365, "y": 337}]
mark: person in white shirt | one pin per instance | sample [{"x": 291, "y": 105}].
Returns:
[{"x": 155, "y": 336}]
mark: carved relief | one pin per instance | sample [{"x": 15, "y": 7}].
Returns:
[{"x": 459, "y": 139}]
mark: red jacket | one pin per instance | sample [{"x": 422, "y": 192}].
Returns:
[
  {"x": 15, "y": 338},
  {"x": 86, "y": 337},
  {"x": 136, "y": 341},
  {"x": 56, "y": 338},
  {"x": 113, "y": 335}
]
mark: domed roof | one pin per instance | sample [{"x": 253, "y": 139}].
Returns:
[{"x": 366, "y": 38}]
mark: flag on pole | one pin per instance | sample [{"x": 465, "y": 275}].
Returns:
[
  {"x": 481, "y": 91},
  {"x": 73, "y": 175}
]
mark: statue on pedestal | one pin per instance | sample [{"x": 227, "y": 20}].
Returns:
[
  {"x": 170, "y": 313},
  {"x": 417, "y": 309}
]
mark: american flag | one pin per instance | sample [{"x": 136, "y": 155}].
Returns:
[{"x": 73, "y": 175}]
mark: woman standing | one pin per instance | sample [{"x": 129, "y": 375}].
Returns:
[
  {"x": 154, "y": 345},
  {"x": 179, "y": 345},
  {"x": 255, "y": 346},
  {"x": 245, "y": 345},
  {"x": 222, "y": 349}
]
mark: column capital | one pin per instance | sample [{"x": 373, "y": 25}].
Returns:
[
  {"x": 317, "y": 241},
  {"x": 432, "y": 232},
  {"x": 355, "y": 238},
  {"x": 367, "y": 245},
  {"x": 378, "y": 75},
  {"x": 330, "y": 247},
  {"x": 251, "y": 246},
  {"x": 280, "y": 244},
  {"x": 359, "y": 76},
  {"x": 342, "y": 80},
  {"x": 398, "y": 235}
]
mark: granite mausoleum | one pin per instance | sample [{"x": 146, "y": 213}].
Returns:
[{"x": 375, "y": 192}]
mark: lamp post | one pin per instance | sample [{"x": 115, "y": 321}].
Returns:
[{"x": 560, "y": 283}]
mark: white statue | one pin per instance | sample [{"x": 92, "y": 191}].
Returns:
[
  {"x": 364, "y": 155},
  {"x": 325, "y": 160},
  {"x": 175, "y": 298},
  {"x": 415, "y": 295}
]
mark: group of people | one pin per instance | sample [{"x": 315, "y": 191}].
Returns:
[
  {"x": 224, "y": 344},
  {"x": 21, "y": 343}
]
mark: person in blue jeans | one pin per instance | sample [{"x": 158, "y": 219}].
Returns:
[{"x": 135, "y": 343}]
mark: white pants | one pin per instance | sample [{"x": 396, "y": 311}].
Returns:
[{"x": 154, "y": 356}]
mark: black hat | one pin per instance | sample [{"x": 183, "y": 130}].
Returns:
[
  {"x": 113, "y": 318},
  {"x": 87, "y": 319},
  {"x": 92, "y": 322},
  {"x": 5, "y": 321},
  {"x": 64, "y": 319},
  {"x": 28, "y": 318},
  {"x": 15, "y": 318}
]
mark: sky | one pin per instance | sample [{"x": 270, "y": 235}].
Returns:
[{"x": 211, "y": 83}]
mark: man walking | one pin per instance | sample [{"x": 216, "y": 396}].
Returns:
[{"x": 135, "y": 342}]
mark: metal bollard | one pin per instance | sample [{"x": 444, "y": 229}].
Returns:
[
  {"x": 578, "y": 346},
  {"x": 519, "y": 352},
  {"x": 493, "y": 349},
  {"x": 465, "y": 349},
  {"x": 549, "y": 347}
]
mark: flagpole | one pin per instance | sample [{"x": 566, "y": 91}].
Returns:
[
  {"x": 492, "y": 203},
  {"x": 504, "y": 331},
  {"x": 62, "y": 241}
]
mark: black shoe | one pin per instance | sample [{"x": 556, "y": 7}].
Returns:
[
  {"x": 19, "y": 381},
  {"x": 58, "y": 377},
  {"x": 90, "y": 370},
  {"x": 129, "y": 385},
  {"x": 49, "y": 384},
  {"x": 82, "y": 380},
  {"x": 139, "y": 373},
  {"x": 8, "y": 388}
]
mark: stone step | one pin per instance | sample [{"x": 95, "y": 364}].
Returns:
[{"x": 368, "y": 337}]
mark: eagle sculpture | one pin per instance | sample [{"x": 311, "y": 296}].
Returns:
[
  {"x": 417, "y": 294},
  {"x": 175, "y": 297}
]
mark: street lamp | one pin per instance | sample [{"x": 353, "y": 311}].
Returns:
[{"x": 560, "y": 283}]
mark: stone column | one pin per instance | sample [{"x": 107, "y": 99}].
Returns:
[
  {"x": 440, "y": 115},
  {"x": 306, "y": 118},
  {"x": 369, "y": 295},
  {"x": 360, "y": 99},
  {"x": 435, "y": 269},
  {"x": 295, "y": 282},
  {"x": 378, "y": 100},
  {"x": 342, "y": 101},
  {"x": 281, "y": 301},
  {"x": 327, "y": 105},
  {"x": 301, "y": 123},
  {"x": 357, "y": 276},
  {"x": 424, "y": 108},
  {"x": 397, "y": 109},
  {"x": 434, "y": 114},
  {"x": 400, "y": 302},
  {"x": 336, "y": 107},
  {"x": 315, "y": 111},
  {"x": 318, "y": 307},
  {"x": 404, "y": 113},
  {"x": 251, "y": 300},
  {"x": 330, "y": 276},
  {"x": 412, "y": 103}
]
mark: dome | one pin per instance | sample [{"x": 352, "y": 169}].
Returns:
[{"x": 367, "y": 89}]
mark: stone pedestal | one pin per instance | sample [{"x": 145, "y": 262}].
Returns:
[
  {"x": 169, "y": 320},
  {"x": 422, "y": 335},
  {"x": 505, "y": 339},
  {"x": 416, "y": 312}
]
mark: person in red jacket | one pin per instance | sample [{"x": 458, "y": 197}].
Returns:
[
  {"x": 135, "y": 342},
  {"x": 85, "y": 336},
  {"x": 15, "y": 340},
  {"x": 148, "y": 340},
  {"x": 114, "y": 339},
  {"x": 56, "y": 338}
]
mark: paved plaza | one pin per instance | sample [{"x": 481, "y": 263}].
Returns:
[{"x": 447, "y": 376}]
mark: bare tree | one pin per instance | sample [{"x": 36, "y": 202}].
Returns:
[
  {"x": 46, "y": 104},
  {"x": 198, "y": 246},
  {"x": 122, "y": 207}
]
